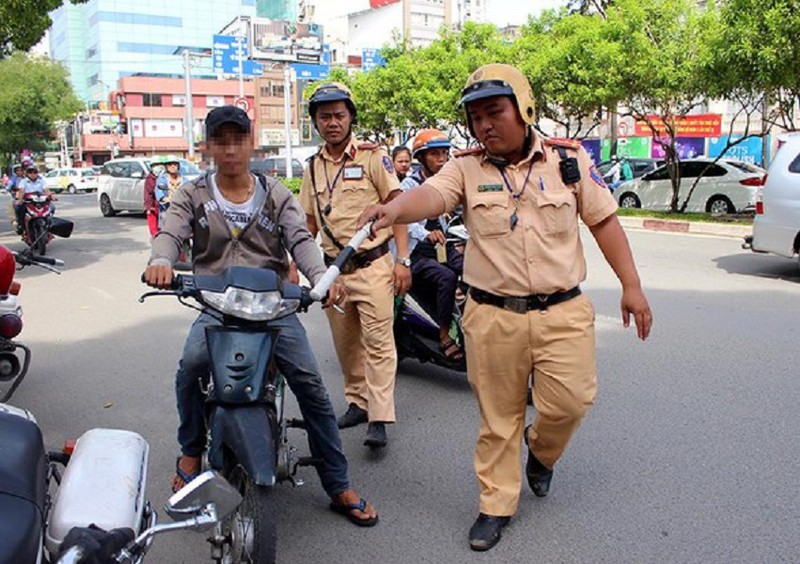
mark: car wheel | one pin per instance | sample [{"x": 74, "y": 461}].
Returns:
[
  {"x": 720, "y": 204},
  {"x": 629, "y": 200},
  {"x": 105, "y": 206},
  {"x": 71, "y": 189}
]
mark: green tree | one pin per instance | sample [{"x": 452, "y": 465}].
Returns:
[
  {"x": 23, "y": 23},
  {"x": 35, "y": 94}
]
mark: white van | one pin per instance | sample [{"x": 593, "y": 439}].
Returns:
[{"x": 776, "y": 228}]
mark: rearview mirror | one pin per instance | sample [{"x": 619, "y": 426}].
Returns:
[
  {"x": 61, "y": 227},
  {"x": 209, "y": 487}
]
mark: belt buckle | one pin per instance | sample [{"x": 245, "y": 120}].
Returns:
[{"x": 517, "y": 305}]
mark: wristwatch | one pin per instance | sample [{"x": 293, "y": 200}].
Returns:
[{"x": 405, "y": 261}]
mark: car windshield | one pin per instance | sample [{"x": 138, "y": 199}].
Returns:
[{"x": 746, "y": 167}]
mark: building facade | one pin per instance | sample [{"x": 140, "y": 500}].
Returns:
[
  {"x": 278, "y": 9},
  {"x": 102, "y": 41}
]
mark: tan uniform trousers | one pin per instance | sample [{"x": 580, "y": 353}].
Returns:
[
  {"x": 503, "y": 348},
  {"x": 364, "y": 339}
]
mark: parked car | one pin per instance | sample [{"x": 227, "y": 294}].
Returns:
[
  {"x": 639, "y": 167},
  {"x": 71, "y": 179},
  {"x": 776, "y": 228},
  {"x": 276, "y": 166},
  {"x": 121, "y": 184},
  {"x": 728, "y": 186}
]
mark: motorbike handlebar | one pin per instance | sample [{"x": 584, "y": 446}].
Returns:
[
  {"x": 319, "y": 291},
  {"x": 26, "y": 259}
]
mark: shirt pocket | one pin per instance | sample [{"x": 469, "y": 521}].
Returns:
[
  {"x": 490, "y": 216},
  {"x": 558, "y": 212}
]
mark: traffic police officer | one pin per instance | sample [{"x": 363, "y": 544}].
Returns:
[
  {"x": 522, "y": 197},
  {"x": 342, "y": 179}
]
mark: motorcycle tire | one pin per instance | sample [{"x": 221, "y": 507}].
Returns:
[
  {"x": 251, "y": 529},
  {"x": 38, "y": 238}
]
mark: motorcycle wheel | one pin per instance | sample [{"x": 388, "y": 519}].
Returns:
[
  {"x": 250, "y": 530},
  {"x": 38, "y": 238}
]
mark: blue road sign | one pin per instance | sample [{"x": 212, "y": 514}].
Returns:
[
  {"x": 228, "y": 52},
  {"x": 370, "y": 59},
  {"x": 315, "y": 72}
]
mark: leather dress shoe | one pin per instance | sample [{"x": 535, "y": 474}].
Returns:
[
  {"x": 376, "y": 435},
  {"x": 352, "y": 417},
  {"x": 485, "y": 533},
  {"x": 539, "y": 475}
]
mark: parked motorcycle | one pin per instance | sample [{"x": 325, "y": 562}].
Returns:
[
  {"x": 39, "y": 223},
  {"x": 15, "y": 357},
  {"x": 40, "y": 507},
  {"x": 416, "y": 334},
  {"x": 247, "y": 428}
]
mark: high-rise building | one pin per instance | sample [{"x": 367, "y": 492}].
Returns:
[
  {"x": 286, "y": 10},
  {"x": 101, "y": 41}
]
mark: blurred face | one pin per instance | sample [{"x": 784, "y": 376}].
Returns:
[
  {"x": 333, "y": 122},
  {"x": 435, "y": 159},
  {"x": 19, "y": 171},
  {"x": 231, "y": 149},
  {"x": 33, "y": 174},
  {"x": 402, "y": 162},
  {"x": 173, "y": 168},
  {"x": 497, "y": 125}
]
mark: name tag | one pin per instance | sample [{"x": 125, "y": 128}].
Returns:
[
  {"x": 355, "y": 172},
  {"x": 490, "y": 188}
]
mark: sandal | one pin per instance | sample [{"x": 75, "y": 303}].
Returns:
[
  {"x": 182, "y": 475},
  {"x": 348, "y": 509},
  {"x": 455, "y": 354}
]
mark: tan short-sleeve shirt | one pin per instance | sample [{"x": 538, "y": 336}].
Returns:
[
  {"x": 363, "y": 175},
  {"x": 543, "y": 253}
]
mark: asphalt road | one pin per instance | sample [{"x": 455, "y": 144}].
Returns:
[{"x": 690, "y": 454}]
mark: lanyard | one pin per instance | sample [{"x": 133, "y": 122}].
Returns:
[
  {"x": 335, "y": 180},
  {"x": 514, "y": 219}
]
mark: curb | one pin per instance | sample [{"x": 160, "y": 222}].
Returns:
[{"x": 693, "y": 227}]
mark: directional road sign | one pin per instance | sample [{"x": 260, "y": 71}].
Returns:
[{"x": 229, "y": 52}]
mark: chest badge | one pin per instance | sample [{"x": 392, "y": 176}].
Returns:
[
  {"x": 490, "y": 188},
  {"x": 354, "y": 172}
]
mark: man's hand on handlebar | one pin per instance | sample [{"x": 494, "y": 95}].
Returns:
[
  {"x": 158, "y": 276},
  {"x": 336, "y": 295},
  {"x": 384, "y": 216}
]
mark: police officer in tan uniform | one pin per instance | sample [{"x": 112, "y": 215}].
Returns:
[
  {"x": 522, "y": 197},
  {"x": 343, "y": 179}
]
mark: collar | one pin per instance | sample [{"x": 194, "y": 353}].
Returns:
[
  {"x": 350, "y": 149},
  {"x": 536, "y": 152}
]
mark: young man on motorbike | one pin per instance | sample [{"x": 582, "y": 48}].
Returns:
[
  {"x": 31, "y": 184},
  {"x": 434, "y": 280},
  {"x": 236, "y": 218},
  {"x": 167, "y": 182}
]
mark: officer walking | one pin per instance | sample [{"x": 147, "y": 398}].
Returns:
[
  {"x": 522, "y": 196},
  {"x": 341, "y": 180}
]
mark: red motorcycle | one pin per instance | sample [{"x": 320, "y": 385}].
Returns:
[
  {"x": 39, "y": 224},
  {"x": 15, "y": 357}
]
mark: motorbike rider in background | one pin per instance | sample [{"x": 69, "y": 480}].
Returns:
[
  {"x": 31, "y": 184},
  {"x": 167, "y": 183},
  {"x": 435, "y": 266}
]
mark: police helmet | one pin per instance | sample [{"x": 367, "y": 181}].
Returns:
[
  {"x": 331, "y": 92},
  {"x": 499, "y": 80},
  {"x": 429, "y": 139}
]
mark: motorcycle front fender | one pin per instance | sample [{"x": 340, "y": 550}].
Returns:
[{"x": 243, "y": 434}]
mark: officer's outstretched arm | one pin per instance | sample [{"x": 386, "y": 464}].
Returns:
[{"x": 408, "y": 207}]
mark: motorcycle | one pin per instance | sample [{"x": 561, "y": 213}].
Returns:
[
  {"x": 416, "y": 334},
  {"x": 40, "y": 508},
  {"x": 39, "y": 223},
  {"x": 15, "y": 357},
  {"x": 247, "y": 425}
]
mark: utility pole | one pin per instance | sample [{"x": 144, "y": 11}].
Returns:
[
  {"x": 240, "y": 54},
  {"x": 189, "y": 114},
  {"x": 287, "y": 116}
]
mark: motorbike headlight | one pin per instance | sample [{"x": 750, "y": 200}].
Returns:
[{"x": 246, "y": 304}]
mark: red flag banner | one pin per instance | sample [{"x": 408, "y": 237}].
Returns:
[{"x": 696, "y": 125}]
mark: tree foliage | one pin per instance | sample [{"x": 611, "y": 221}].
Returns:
[
  {"x": 23, "y": 23},
  {"x": 36, "y": 93}
]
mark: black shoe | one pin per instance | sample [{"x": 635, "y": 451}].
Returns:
[
  {"x": 539, "y": 475},
  {"x": 485, "y": 533},
  {"x": 354, "y": 416},
  {"x": 376, "y": 435}
]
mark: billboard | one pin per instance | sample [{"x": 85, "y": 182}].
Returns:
[
  {"x": 687, "y": 147},
  {"x": 750, "y": 150},
  {"x": 381, "y": 3},
  {"x": 696, "y": 125},
  {"x": 287, "y": 41}
]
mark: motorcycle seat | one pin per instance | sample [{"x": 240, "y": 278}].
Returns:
[{"x": 21, "y": 524}]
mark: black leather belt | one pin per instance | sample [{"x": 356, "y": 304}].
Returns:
[
  {"x": 524, "y": 304},
  {"x": 360, "y": 260}
]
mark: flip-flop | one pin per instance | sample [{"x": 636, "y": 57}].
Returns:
[
  {"x": 182, "y": 474},
  {"x": 456, "y": 355},
  {"x": 347, "y": 511}
]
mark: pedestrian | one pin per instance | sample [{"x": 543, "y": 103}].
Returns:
[
  {"x": 168, "y": 182},
  {"x": 522, "y": 196},
  {"x": 237, "y": 218},
  {"x": 150, "y": 202},
  {"x": 341, "y": 180},
  {"x": 401, "y": 159}
]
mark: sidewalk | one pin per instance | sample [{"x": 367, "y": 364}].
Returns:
[{"x": 694, "y": 227}]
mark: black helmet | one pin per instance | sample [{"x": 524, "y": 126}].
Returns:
[{"x": 331, "y": 92}]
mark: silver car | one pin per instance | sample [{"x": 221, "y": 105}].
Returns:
[
  {"x": 728, "y": 186},
  {"x": 121, "y": 184}
]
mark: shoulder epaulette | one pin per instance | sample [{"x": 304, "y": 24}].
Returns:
[
  {"x": 467, "y": 152},
  {"x": 367, "y": 146},
  {"x": 562, "y": 142}
]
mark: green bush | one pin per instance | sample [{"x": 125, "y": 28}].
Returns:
[{"x": 293, "y": 184}]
